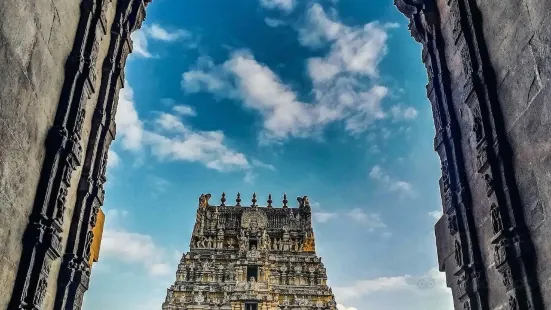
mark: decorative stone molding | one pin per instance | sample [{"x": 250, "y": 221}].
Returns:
[
  {"x": 288, "y": 272},
  {"x": 64, "y": 154},
  {"x": 492, "y": 160}
]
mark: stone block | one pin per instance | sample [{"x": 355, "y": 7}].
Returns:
[
  {"x": 538, "y": 10},
  {"x": 506, "y": 36},
  {"x": 541, "y": 48},
  {"x": 43, "y": 17},
  {"x": 65, "y": 22},
  {"x": 7, "y": 277},
  {"x": 18, "y": 28},
  {"x": 60, "y": 42},
  {"x": 443, "y": 242},
  {"x": 519, "y": 88},
  {"x": 46, "y": 78},
  {"x": 499, "y": 19}
]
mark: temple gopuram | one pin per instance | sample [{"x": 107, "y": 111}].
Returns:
[{"x": 251, "y": 258}]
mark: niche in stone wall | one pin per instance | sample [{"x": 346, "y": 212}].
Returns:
[
  {"x": 253, "y": 243},
  {"x": 251, "y": 306},
  {"x": 252, "y": 272}
]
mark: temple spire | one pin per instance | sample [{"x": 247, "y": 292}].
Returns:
[
  {"x": 238, "y": 200},
  {"x": 270, "y": 201},
  {"x": 285, "y": 201},
  {"x": 223, "y": 200},
  {"x": 254, "y": 200}
]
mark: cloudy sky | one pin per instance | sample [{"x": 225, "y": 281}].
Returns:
[{"x": 324, "y": 98}]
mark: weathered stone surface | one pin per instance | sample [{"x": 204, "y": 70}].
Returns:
[
  {"x": 45, "y": 94},
  {"x": 30, "y": 88},
  {"x": 495, "y": 79}
]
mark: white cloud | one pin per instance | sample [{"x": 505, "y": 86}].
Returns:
[
  {"x": 260, "y": 89},
  {"x": 387, "y": 234},
  {"x": 341, "y": 307},
  {"x": 403, "y": 188},
  {"x": 273, "y": 22},
  {"x": 129, "y": 126},
  {"x": 206, "y": 147},
  {"x": 319, "y": 28},
  {"x": 345, "y": 84},
  {"x": 130, "y": 247},
  {"x": 250, "y": 177},
  {"x": 415, "y": 290},
  {"x": 257, "y": 163},
  {"x": 140, "y": 44},
  {"x": 436, "y": 214},
  {"x": 173, "y": 140},
  {"x": 321, "y": 216},
  {"x": 161, "y": 269},
  {"x": 158, "y": 184},
  {"x": 366, "y": 287},
  {"x": 399, "y": 112},
  {"x": 284, "y": 5},
  {"x": 371, "y": 221},
  {"x": 140, "y": 38},
  {"x": 378, "y": 174},
  {"x": 158, "y": 33},
  {"x": 113, "y": 159},
  {"x": 184, "y": 110},
  {"x": 355, "y": 50}
]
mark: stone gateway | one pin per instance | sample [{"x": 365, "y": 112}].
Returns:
[{"x": 62, "y": 66}]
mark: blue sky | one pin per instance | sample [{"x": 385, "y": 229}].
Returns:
[{"x": 323, "y": 98}]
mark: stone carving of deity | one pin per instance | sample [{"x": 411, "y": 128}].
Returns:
[
  {"x": 286, "y": 301},
  {"x": 252, "y": 283},
  {"x": 253, "y": 226},
  {"x": 458, "y": 258},
  {"x": 209, "y": 242},
  {"x": 242, "y": 246},
  {"x": 201, "y": 243},
  {"x": 199, "y": 298},
  {"x": 231, "y": 243},
  {"x": 497, "y": 224},
  {"x": 285, "y": 233}
]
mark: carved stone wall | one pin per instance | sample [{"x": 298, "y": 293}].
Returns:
[
  {"x": 61, "y": 66},
  {"x": 252, "y": 254},
  {"x": 488, "y": 64},
  {"x": 36, "y": 38}
]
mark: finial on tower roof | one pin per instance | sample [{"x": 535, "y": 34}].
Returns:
[
  {"x": 223, "y": 199},
  {"x": 238, "y": 200},
  {"x": 270, "y": 201},
  {"x": 254, "y": 200},
  {"x": 285, "y": 200}
]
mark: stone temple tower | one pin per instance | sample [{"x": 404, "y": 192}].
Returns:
[{"x": 251, "y": 258}]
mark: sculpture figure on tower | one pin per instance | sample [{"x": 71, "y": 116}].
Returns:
[{"x": 204, "y": 200}]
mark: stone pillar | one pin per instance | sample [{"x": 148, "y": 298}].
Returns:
[
  {"x": 491, "y": 211},
  {"x": 69, "y": 191}
]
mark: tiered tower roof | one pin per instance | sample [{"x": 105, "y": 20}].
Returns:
[{"x": 251, "y": 258}]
